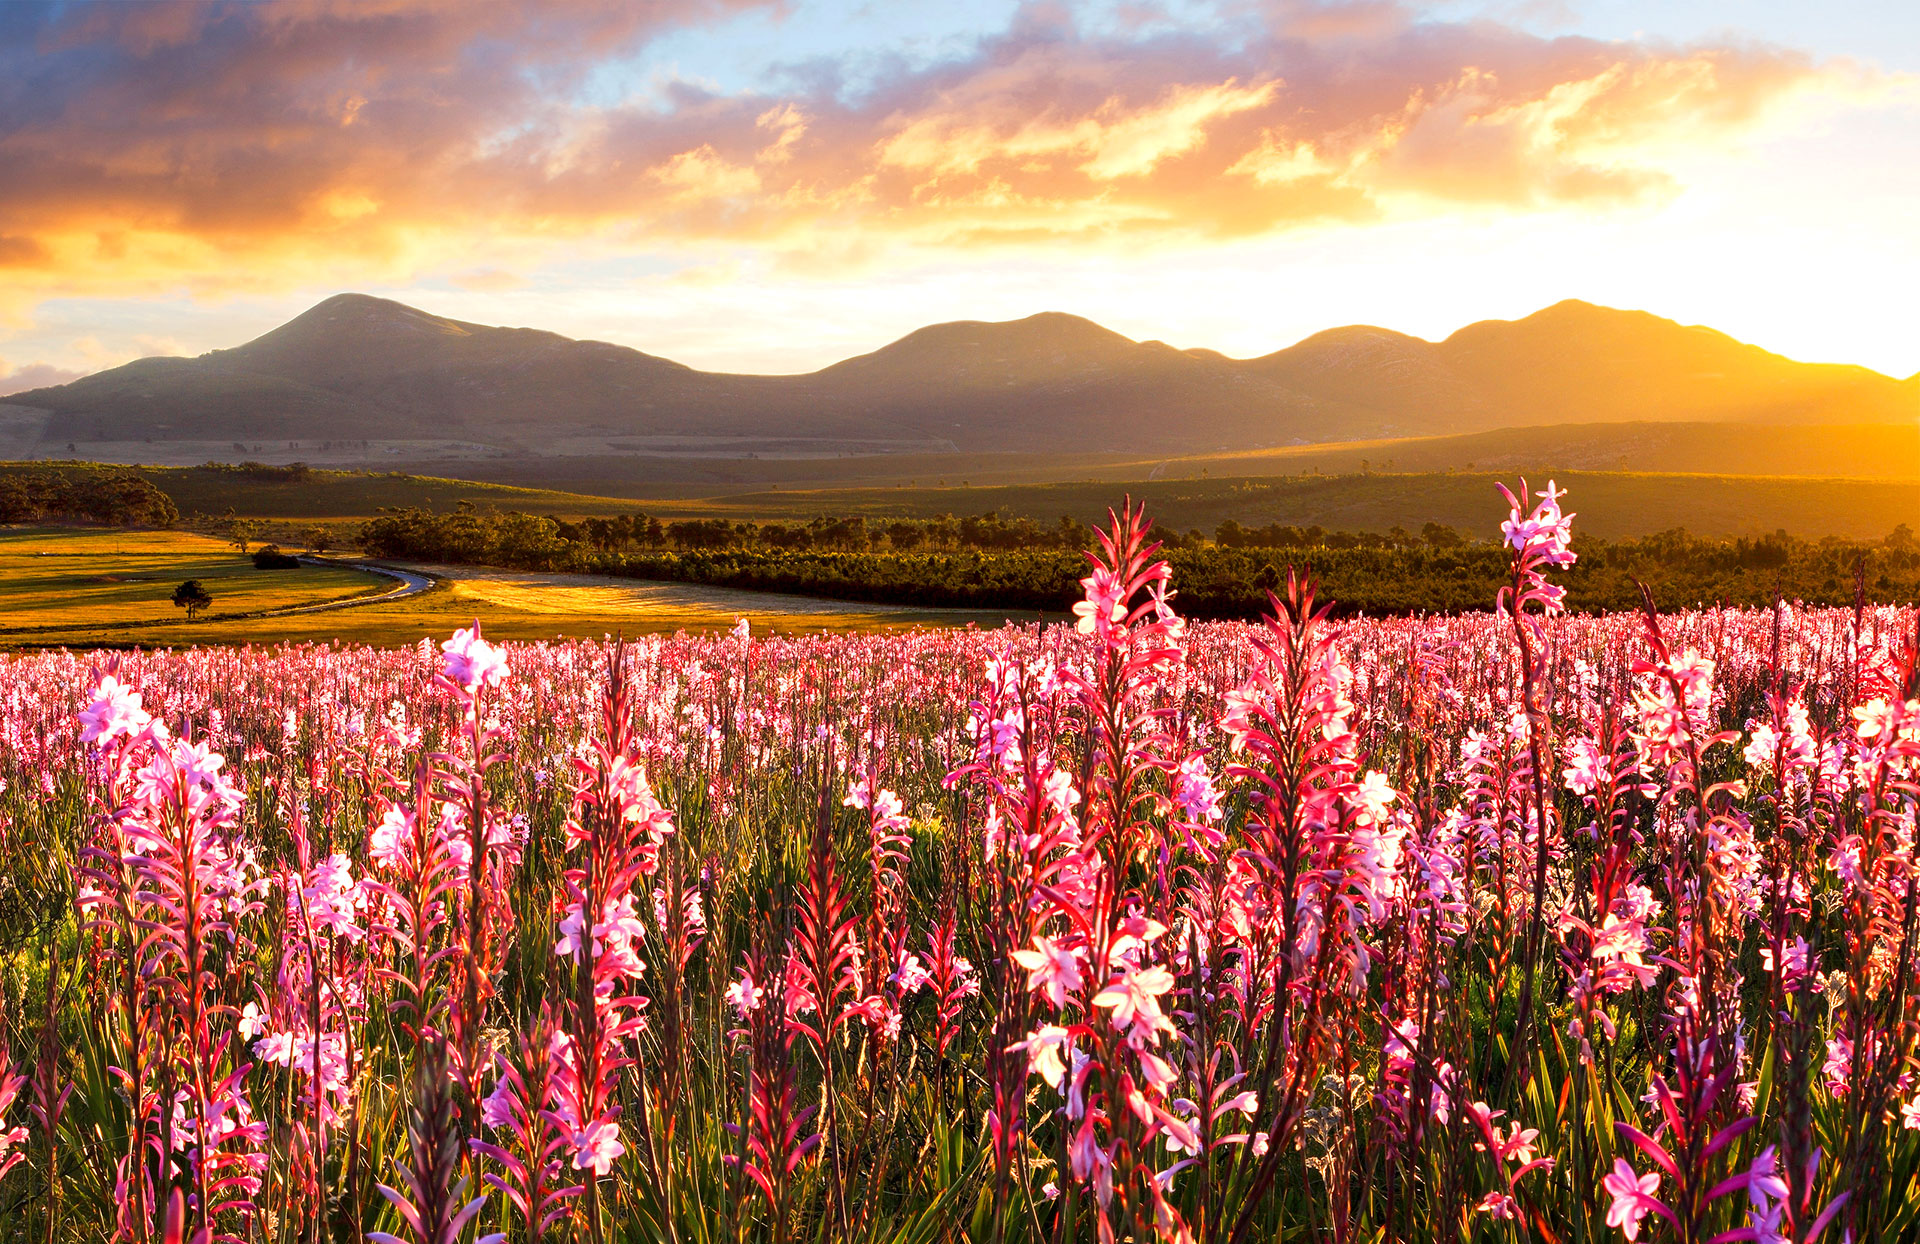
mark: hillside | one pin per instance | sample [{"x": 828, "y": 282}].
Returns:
[
  {"x": 358, "y": 380},
  {"x": 1612, "y": 504}
]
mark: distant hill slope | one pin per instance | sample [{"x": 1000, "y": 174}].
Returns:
[{"x": 357, "y": 375}]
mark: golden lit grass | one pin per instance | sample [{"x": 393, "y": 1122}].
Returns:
[
  {"x": 572, "y": 594},
  {"x": 99, "y": 579},
  {"x": 514, "y": 605}
]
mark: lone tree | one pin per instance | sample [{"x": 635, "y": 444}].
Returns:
[
  {"x": 192, "y": 597},
  {"x": 241, "y": 532}
]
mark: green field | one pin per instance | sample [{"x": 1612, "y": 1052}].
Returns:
[{"x": 122, "y": 582}]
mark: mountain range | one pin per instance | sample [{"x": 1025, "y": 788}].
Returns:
[{"x": 359, "y": 379}]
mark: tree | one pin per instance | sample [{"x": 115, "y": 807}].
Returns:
[
  {"x": 319, "y": 539},
  {"x": 241, "y": 531},
  {"x": 192, "y": 597}
]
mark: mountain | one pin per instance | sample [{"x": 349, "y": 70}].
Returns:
[
  {"x": 1575, "y": 362},
  {"x": 359, "y": 379}
]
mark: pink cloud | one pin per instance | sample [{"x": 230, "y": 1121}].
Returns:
[
  {"x": 252, "y": 145},
  {"x": 33, "y": 376}
]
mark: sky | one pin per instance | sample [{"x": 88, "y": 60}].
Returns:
[{"x": 773, "y": 185}]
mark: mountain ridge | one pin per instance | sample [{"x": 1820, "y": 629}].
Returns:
[{"x": 355, "y": 367}]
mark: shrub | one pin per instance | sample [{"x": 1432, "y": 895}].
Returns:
[{"x": 269, "y": 557}]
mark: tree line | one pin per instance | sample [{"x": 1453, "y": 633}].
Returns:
[
  {"x": 983, "y": 563},
  {"x": 112, "y": 497}
]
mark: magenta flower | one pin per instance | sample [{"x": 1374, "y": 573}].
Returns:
[
  {"x": 1632, "y": 1197},
  {"x": 745, "y": 996},
  {"x": 1134, "y": 997},
  {"x": 115, "y": 713},
  {"x": 471, "y": 662},
  {"x": 1105, "y": 606},
  {"x": 1043, "y": 1049},
  {"x": 597, "y": 1148},
  {"x": 1545, "y": 533},
  {"x": 1052, "y": 969}
]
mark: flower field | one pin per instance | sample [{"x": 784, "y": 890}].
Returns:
[{"x": 1517, "y": 925}]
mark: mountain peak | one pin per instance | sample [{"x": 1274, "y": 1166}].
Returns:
[
  {"x": 351, "y": 312},
  {"x": 1049, "y": 345},
  {"x": 1045, "y": 330}
]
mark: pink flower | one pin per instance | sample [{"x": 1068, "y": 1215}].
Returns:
[
  {"x": 910, "y": 976},
  {"x": 1764, "y": 1182},
  {"x": 496, "y": 1108},
  {"x": 1618, "y": 951},
  {"x": 1876, "y": 718},
  {"x": 1043, "y": 1048},
  {"x": 1632, "y": 1197},
  {"x": 114, "y": 713},
  {"x": 1497, "y": 1205},
  {"x": 472, "y": 662},
  {"x": 1051, "y": 969},
  {"x": 276, "y": 1047},
  {"x": 1135, "y": 999},
  {"x": 1104, "y": 608},
  {"x": 1546, "y": 533},
  {"x": 1374, "y": 797},
  {"x": 597, "y": 1148},
  {"x": 1588, "y": 767},
  {"x": 744, "y": 996},
  {"x": 1194, "y": 792},
  {"x": 387, "y": 841},
  {"x": 1794, "y": 960}
]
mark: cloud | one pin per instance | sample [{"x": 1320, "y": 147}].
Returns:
[
  {"x": 33, "y": 376},
  {"x": 223, "y": 147},
  {"x": 488, "y": 280}
]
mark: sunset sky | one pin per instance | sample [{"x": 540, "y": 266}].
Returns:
[{"x": 773, "y": 186}]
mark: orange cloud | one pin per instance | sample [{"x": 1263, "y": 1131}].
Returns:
[
  {"x": 232, "y": 146},
  {"x": 488, "y": 280}
]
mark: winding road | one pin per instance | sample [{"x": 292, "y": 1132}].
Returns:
[{"x": 411, "y": 584}]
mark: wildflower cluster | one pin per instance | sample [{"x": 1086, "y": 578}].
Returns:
[{"x": 1507, "y": 925}]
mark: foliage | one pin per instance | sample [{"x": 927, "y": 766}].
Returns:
[
  {"x": 106, "y": 495},
  {"x": 269, "y": 557},
  {"x": 985, "y": 565}
]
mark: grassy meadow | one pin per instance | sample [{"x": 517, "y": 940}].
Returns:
[
  {"x": 104, "y": 580},
  {"x": 86, "y": 587}
]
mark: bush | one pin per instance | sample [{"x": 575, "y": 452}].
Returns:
[{"x": 269, "y": 557}]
